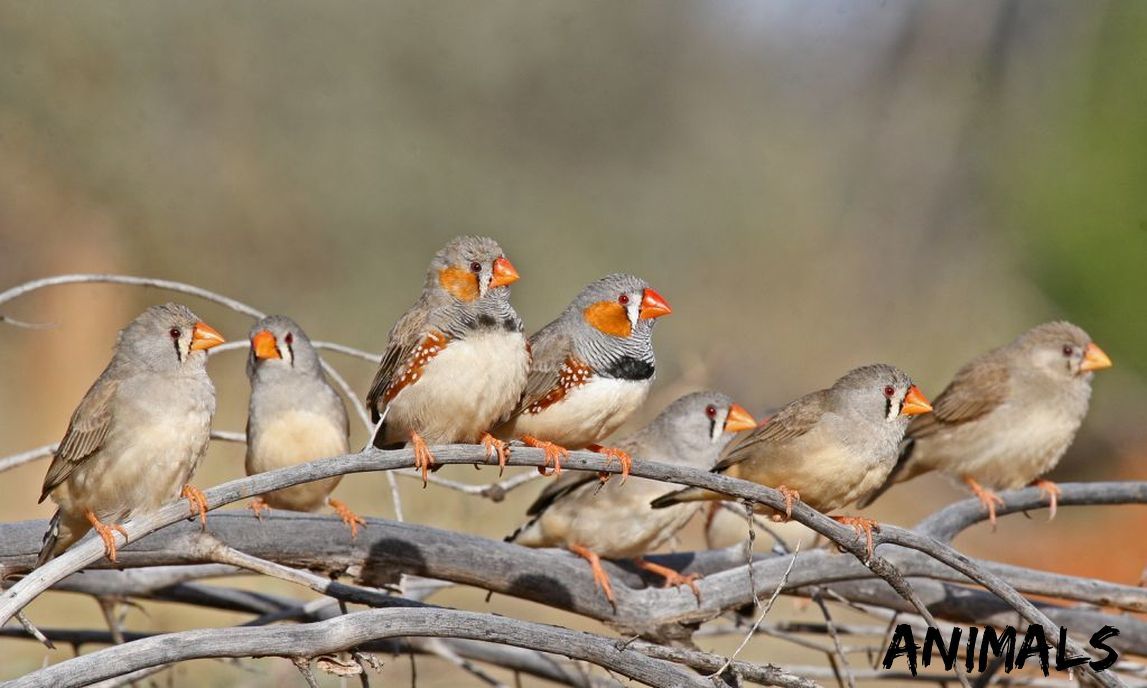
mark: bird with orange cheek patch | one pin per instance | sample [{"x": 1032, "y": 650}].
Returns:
[
  {"x": 456, "y": 361},
  {"x": 592, "y": 368}
]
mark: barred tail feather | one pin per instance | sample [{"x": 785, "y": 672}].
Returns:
[{"x": 51, "y": 539}]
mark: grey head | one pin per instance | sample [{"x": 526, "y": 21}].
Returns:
[
  {"x": 468, "y": 287},
  {"x": 692, "y": 430},
  {"x": 280, "y": 349},
  {"x": 877, "y": 400},
  {"x": 1059, "y": 352},
  {"x": 168, "y": 338},
  {"x": 610, "y": 323}
]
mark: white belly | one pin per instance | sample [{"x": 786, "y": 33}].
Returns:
[
  {"x": 463, "y": 392},
  {"x": 586, "y": 415}
]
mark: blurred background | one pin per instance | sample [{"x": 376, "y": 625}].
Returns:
[{"x": 812, "y": 186}]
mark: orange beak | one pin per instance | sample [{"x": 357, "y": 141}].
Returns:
[
  {"x": 503, "y": 273},
  {"x": 653, "y": 305},
  {"x": 1094, "y": 359},
  {"x": 915, "y": 403},
  {"x": 264, "y": 345},
  {"x": 203, "y": 336},
  {"x": 739, "y": 419}
]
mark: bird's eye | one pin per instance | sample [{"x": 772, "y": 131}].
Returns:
[
  {"x": 475, "y": 266},
  {"x": 623, "y": 299},
  {"x": 889, "y": 390},
  {"x": 289, "y": 339},
  {"x": 711, "y": 411},
  {"x": 1068, "y": 350},
  {"x": 174, "y": 332}
]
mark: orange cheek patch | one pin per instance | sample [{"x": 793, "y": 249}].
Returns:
[
  {"x": 462, "y": 284},
  {"x": 609, "y": 317}
]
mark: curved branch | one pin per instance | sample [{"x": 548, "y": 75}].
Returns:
[{"x": 344, "y": 632}]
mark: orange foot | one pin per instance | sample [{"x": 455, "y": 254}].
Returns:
[
  {"x": 423, "y": 459},
  {"x": 600, "y": 577},
  {"x": 862, "y": 526},
  {"x": 1052, "y": 491},
  {"x": 105, "y": 533},
  {"x": 989, "y": 499},
  {"x": 554, "y": 453},
  {"x": 350, "y": 518},
  {"x": 496, "y": 447},
  {"x": 198, "y": 502},
  {"x": 259, "y": 505},
  {"x": 791, "y": 496},
  {"x": 612, "y": 453},
  {"x": 672, "y": 578}
]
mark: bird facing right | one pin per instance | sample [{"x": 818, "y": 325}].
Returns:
[
  {"x": 1007, "y": 416},
  {"x": 826, "y": 448}
]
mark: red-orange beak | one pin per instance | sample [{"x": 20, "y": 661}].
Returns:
[
  {"x": 1094, "y": 359},
  {"x": 503, "y": 273},
  {"x": 915, "y": 403},
  {"x": 653, "y": 305},
  {"x": 264, "y": 345},
  {"x": 739, "y": 419},
  {"x": 203, "y": 336}
]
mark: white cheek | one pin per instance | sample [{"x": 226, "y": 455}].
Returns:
[
  {"x": 287, "y": 354},
  {"x": 633, "y": 310}
]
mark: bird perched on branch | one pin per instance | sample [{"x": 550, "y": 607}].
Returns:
[
  {"x": 826, "y": 448},
  {"x": 592, "y": 368},
  {"x": 139, "y": 432},
  {"x": 1007, "y": 417},
  {"x": 294, "y": 416},
  {"x": 456, "y": 362},
  {"x": 614, "y": 520}
]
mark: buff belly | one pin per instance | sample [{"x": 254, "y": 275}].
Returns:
[{"x": 293, "y": 438}]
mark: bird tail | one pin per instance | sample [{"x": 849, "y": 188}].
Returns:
[
  {"x": 689, "y": 494},
  {"x": 520, "y": 530},
  {"x": 898, "y": 473},
  {"x": 378, "y": 435},
  {"x": 51, "y": 539}
]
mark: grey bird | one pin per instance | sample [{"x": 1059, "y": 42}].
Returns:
[
  {"x": 456, "y": 362},
  {"x": 1007, "y": 417},
  {"x": 294, "y": 416},
  {"x": 614, "y": 520},
  {"x": 592, "y": 368},
  {"x": 137, "y": 436},
  {"x": 826, "y": 448}
]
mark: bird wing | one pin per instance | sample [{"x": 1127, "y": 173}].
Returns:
[
  {"x": 403, "y": 339},
  {"x": 86, "y": 432},
  {"x": 977, "y": 388},
  {"x": 558, "y": 489},
  {"x": 791, "y": 422},
  {"x": 549, "y": 352}
]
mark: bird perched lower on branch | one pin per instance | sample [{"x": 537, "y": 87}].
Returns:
[
  {"x": 294, "y": 416},
  {"x": 826, "y": 448},
  {"x": 614, "y": 520},
  {"x": 1007, "y": 416},
  {"x": 456, "y": 361},
  {"x": 592, "y": 368},
  {"x": 137, "y": 436}
]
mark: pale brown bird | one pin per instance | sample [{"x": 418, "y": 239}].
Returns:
[
  {"x": 592, "y": 368},
  {"x": 1007, "y": 417},
  {"x": 294, "y": 416},
  {"x": 614, "y": 520},
  {"x": 456, "y": 361},
  {"x": 827, "y": 448},
  {"x": 137, "y": 436}
]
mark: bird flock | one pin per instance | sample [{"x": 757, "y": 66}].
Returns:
[{"x": 459, "y": 368}]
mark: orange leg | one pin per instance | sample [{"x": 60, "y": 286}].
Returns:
[
  {"x": 862, "y": 526},
  {"x": 790, "y": 496},
  {"x": 496, "y": 447},
  {"x": 1052, "y": 491},
  {"x": 611, "y": 453},
  {"x": 105, "y": 533},
  {"x": 350, "y": 518},
  {"x": 198, "y": 502},
  {"x": 259, "y": 505},
  {"x": 672, "y": 578},
  {"x": 554, "y": 453},
  {"x": 423, "y": 459},
  {"x": 989, "y": 499},
  {"x": 600, "y": 577}
]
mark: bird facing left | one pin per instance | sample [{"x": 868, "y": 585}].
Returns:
[{"x": 138, "y": 434}]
